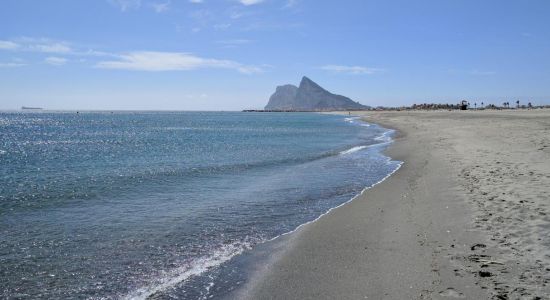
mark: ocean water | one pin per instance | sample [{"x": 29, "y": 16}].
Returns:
[{"x": 164, "y": 205}]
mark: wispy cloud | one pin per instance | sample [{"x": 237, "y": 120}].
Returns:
[
  {"x": 161, "y": 7},
  {"x": 134, "y": 60},
  {"x": 48, "y": 46},
  {"x": 290, "y": 3},
  {"x": 196, "y": 96},
  {"x": 357, "y": 70},
  {"x": 250, "y": 2},
  {"x": 222, "y": 26},
  {"x": 55, "y": 61},
  {"x": 234, "y": 42},
  {"x": 125, "y": 5},
  {"x": 11, "y": 65},
  {"x": 196, "y": 1},
  {"x": 527, "y": 34},
  {"x": 238, "y": 12},
  {"x": 36, "y": 45},
  {"x": 202, "y": 17},
  {"x": 171, "y": 61},
  {"x": 51, "y": 48},
  {"x": 8, "y": 45},
  {"x": 482, "y": 73}
]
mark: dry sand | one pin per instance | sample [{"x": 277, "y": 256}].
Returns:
[{"x": 466, "y": 216}]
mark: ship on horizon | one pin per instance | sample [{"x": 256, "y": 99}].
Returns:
[{"x": 31, "y": 108}]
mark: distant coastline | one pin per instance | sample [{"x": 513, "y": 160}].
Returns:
[{"x": 294, "y": 110}]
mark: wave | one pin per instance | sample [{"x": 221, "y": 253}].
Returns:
[
  {"x": 358, "y": 121},
  {"x": 385, "y": 138},
  {"x": 354, "y": 149},
  {"x": 399, "y": 165},
  {"x": 196, "y": 267},
  {"x": 352, "y": 119}
]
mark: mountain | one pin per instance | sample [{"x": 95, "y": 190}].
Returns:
[
  {"x": 283, "y": 98},
  {"x": 309, "y": 96}
]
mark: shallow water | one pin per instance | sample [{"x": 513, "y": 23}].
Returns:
[{"x": 159, "y": 204}]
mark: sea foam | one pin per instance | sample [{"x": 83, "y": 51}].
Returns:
[
  {"x": 196, "y": 267},
  {"x": 354, "y": 149}
]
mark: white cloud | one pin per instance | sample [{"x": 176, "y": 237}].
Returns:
[
  {"x": 91, "y": 52},
  {"x": 125, "y": 5},
  {"x": 11, "y": 65},
  {"x": 249, "y": 69},
  {"x": 160, "y": 7},
  {"x": 201, "y": 18},
  {"x": 196, "y": 1},
  {"x": 51, "y": 48},
  {"x": 14, "y": 63},
  {"x": 234, "y": 42},
  {"x": 250, "y": 2},
  {"x": 195, "y": 96},
  {"x": 143, "y": 61},
  {"x": 350, "y": 69},
  {"x": 37, "y": 45},
  {"x": 45, "y": 45},
  {"x": 171, "y": 61},
  {"x": 290, "y": 3},
  {"x": 55, "y": 61},
  {"x": 8, "y": 45},
  {"x": 222, "y": 26}
]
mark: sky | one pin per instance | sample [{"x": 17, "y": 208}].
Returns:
[{"x": 231, "y": 54}]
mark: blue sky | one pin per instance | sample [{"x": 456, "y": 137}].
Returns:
[{"x": 231, "y": 54}]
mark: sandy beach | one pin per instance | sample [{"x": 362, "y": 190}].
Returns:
[{"x": 466, "y": 216}]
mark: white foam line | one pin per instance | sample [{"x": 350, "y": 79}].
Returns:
[
  {"x": 354, "y": 197},
  {"x": 385, "y": 138},
  {"x": 351, "y": 119},
  {"x": 354, "y": 149},
  {"x": 399, "y": 165},
  {"x": 183, "y": 273},
  {"x": 328, "y": 211}
]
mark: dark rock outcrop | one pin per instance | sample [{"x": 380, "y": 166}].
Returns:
[{"x": 309, "y": 96}]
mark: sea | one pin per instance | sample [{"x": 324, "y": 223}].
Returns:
[{"x": 167, "y": 205}]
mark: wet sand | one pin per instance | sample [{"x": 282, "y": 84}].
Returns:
[{"x": 466, "y": 216}]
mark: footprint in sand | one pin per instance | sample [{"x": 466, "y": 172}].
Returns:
[{"x": 450, "y": 292}]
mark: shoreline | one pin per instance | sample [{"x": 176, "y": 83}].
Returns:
[
  {"x": 269, "y": 251},
  {"x": 256, "y": 257},
  {"x": 414, "y": 235}
]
